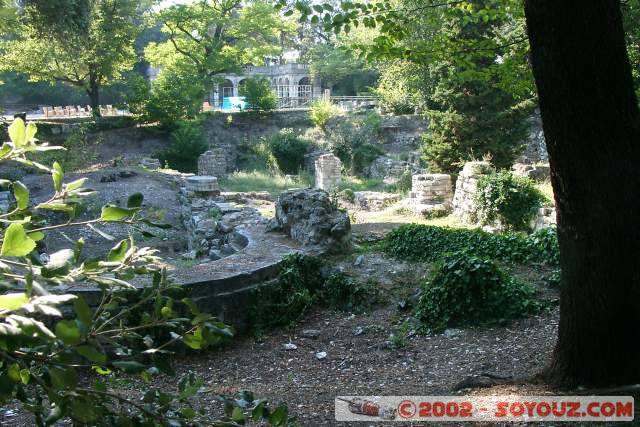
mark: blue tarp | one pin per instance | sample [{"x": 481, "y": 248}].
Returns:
[{"x": 234, "y": 103}]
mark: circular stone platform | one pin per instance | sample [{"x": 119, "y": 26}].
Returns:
[{"x": 223, "y": 287}]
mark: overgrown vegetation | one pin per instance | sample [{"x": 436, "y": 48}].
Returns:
[
  {"x": 322, "y": 111},
  {"x": 188, "y": 142},
  {"x": 303, "y": 284},
  {"x": 289, "y": 148},
  {"x": 465, "y": 289},
  {"x": 130, "y": 330},
  {"x": 353, "y": 142},
  {"x": 429, "y": 243},
  {"x": 259, "y": 94},
  {"x": 80, "y": 151},
  {"x": 508, "y": 199}
]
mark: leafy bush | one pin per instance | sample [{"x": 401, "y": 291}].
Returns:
[
  {"x": 130, "y": 330},
  {"x": 322, "y": 111},
  {"x": 301, "y": 285},
  {"x": 342, "y": 293},
  {"x": 429, "y": 243},
  {"x": 292, "y": 294},
  {"x": 256, "y": 156},
  {"x": 174, "y": 96},
  {"x": 468, "y": 290},
  {"x": 509, "y": 199},
  {"x": 351, "y": 142},
  {"x": 347, "y": 195},
  {"x": 188, "y": 142},
  {"x": 259, "y": 94},
  {"x": 289, "y": 149}
]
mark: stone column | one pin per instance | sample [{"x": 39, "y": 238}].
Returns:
[
  {"x": 213, "y": 163},
  {"x": 463, "y": 199},
  {"x": 328, "y": 172}
]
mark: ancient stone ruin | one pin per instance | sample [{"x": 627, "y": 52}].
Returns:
[
  {"x": 213, "y": 163},
  {"x": 309, "y": 217},
  {"x": 537, "y": 172},
  {"x": 203, "y": 185},
  {"x": 431, "y": 194},
  {"x": 328, "y": 170},
  {"x": 464, "y": 198},
  {"x": 374, "y": 200}
]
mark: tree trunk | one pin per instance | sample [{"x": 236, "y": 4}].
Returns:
[
  {"x": 94, "y": 96},
  {"x": 592, "y": 129}
]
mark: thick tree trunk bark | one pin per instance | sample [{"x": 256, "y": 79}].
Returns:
[
  {"x": 592, "y": 129},
  {"x": 94, "y": 96}
]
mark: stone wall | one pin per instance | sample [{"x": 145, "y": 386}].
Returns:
[
  {"x": 213, "y": 163},
  {"x": 431, "y": 193},
  {"x": 463, "y": 199},
  {"x": 390, "y": 170},
  {"x": 328, "y": 172}
]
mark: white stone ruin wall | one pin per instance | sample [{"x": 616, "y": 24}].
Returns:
[
  {"x": 213, "y": 163},
  {"x": 431, "y": 193},
  {"x": 463, "y": 200},
  {"x": 328, "y": 172}
]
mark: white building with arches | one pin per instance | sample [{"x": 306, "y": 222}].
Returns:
[{"x": 291, "y": 82}]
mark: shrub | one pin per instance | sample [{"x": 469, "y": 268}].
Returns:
[
  {"x": 256, "y": 156},
  {"x": 300, "y": 285},
  {"x": 322, "y": 111},
  {"x": 347, "y": 195},
  {"x": 350, "y": 142},
  {"x": 80, "y": 152},
  {"x": 468, "y": 290},
  {"x": 174, "y": 96},
  {"x": 404, "y": 183},
  {"x": 509, "y": 199},
  {"x": 188, "y": 142},
  {"x": 289, "y": 149},
  {"x": 402, "y": 87},
  {"x": 259, "y": 94},
  {"x": 429, "y": 243}
]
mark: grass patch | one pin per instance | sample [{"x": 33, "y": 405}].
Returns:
[
  {"x": 356, "y": 183},
  {"x": 263, "y": 181}
]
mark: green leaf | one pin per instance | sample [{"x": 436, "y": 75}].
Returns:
[
  {"x": 63, "y": 377},
  {"x": 31, "y": 131},
  {"x": 57, "y": 174},
  {"x": 16, "y": 242},
  {"x": 13, "y": 301},
  {"x": 59, "y": 207},
  {"x": 193, "y": 341},
  {"x": 68, "y": 332},
  {"x": 74, "y": 185},
  {"x": 279, "y": 416},
  {"x": 237, "y": 415},
  {"x": 21, "y": 193},
  {"x": 18, "y": 133},
  {"x": 6, "y": 148},
  {"x": 91, "y": 353},
  {"x": 14, "y": 372},
  {"x": 118, "y": 252},
  {"x": 82, "y": 310},
  {"x": 36, "y": 236},
  {"x": 25, "y": 376},
  {"x": 59, "y": 263},
  {"x": 115, "y": 213}
]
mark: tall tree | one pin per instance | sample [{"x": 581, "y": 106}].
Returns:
[
  {"x": 84, "y": 43},
  {"x": 592, "y": 129},
  {"x": 216, "y": 36}
]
